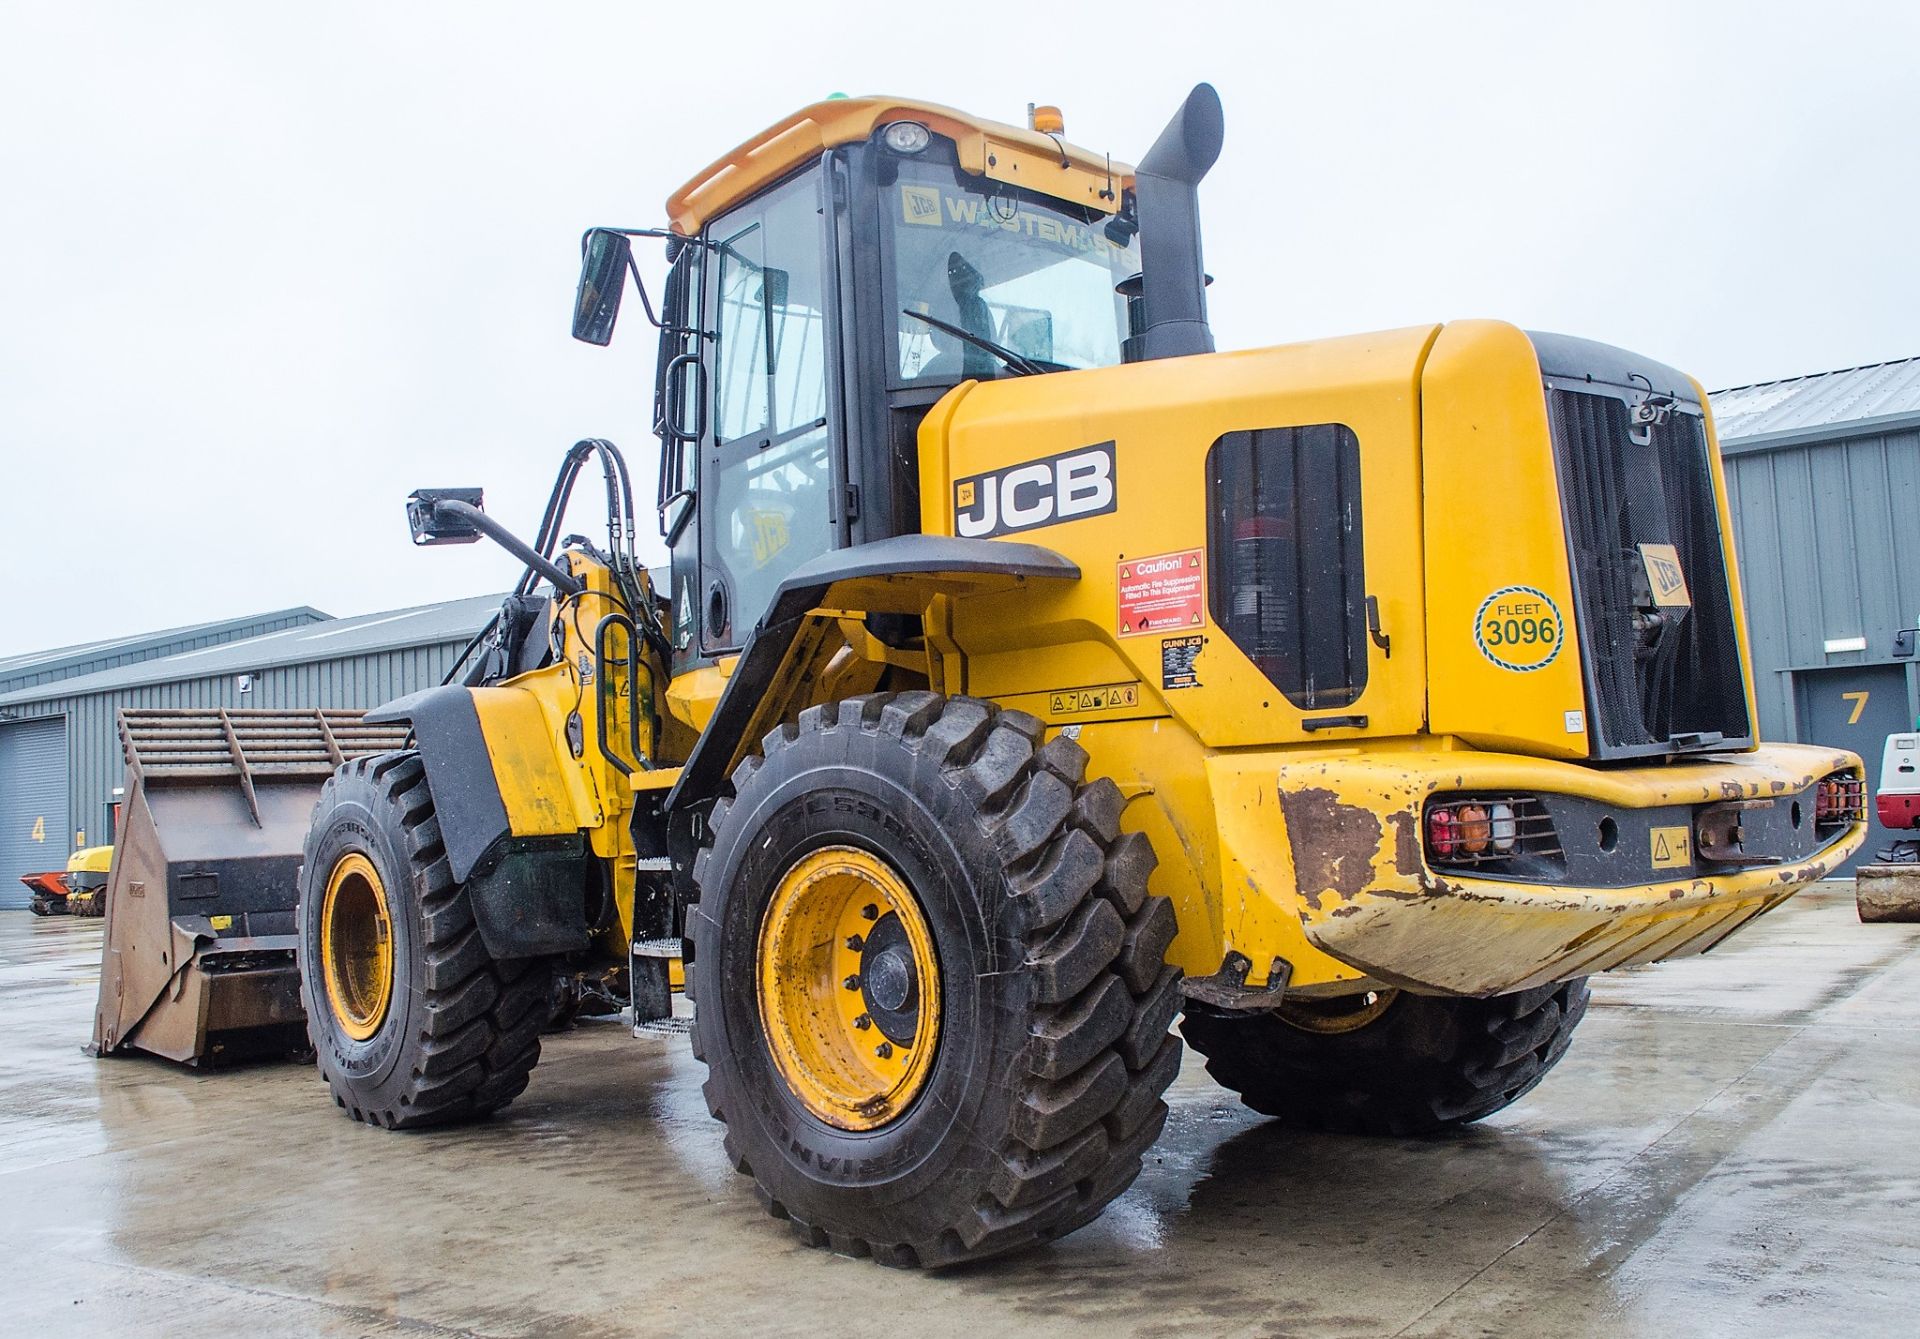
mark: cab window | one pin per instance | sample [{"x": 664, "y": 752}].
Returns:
[
  {"x": 1034, "y": 275},
  {"x": 769, "y": 465}
]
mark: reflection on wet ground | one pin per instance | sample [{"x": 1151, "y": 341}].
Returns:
[{"x": 1731, "y": 1147}]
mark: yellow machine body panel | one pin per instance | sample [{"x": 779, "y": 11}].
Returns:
[
  {"x": 91, "y": 860},
  {"x": 1160, "y": 420},
  {"x": 1493, "y": 516},
  {"x": 692, "y": 696},
  {"x": 1292, "y": 837}
]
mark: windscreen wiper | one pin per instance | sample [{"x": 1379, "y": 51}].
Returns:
[{"x": 1019, "y": 362}]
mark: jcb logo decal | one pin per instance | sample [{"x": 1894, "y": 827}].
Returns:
[
  {"x": 1066, "y": 487},
  {"x": 1665, "y": 577},
  {"x": 920, "y": 204}
]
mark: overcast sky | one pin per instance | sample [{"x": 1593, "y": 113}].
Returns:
[{"x": 268, "y": 268}]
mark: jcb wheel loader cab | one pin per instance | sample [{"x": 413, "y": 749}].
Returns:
[
  {"x": 413, "y": 1023},
  {"x": 933, "y": 1000}
]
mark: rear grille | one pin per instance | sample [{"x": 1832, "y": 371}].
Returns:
[{"x": 1661, "y": 678}]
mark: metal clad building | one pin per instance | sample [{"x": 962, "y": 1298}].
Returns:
[
  {"x": 1823, "y": 479},
  {"x": 60, "y": 757},
  {"x": 67, "y": 662}
]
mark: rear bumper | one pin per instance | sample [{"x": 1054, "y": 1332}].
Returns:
[
  {"x": 1369, "y": 898},
  {"x": 1898, "y": 811}
]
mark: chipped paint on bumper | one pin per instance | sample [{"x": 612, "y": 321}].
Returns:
[{"x": 1367, "y": 898}]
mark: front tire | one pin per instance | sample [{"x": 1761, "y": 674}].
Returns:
[
  {"x": 412, "y": 1022},
  {"x": 1388, "y": 1063},
  {"x": 933, "y": 998}
]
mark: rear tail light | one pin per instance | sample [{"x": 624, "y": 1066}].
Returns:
[
  {"x": 1476, "y": 831},
  {"x": 1839, "y": 799},
  {"x": 1504, "y": 829}
]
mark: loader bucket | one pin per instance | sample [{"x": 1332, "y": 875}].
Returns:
[{"x": 199, "y": 959}]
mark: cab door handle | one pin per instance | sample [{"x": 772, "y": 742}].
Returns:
[{"x": 1380, "y": 639}]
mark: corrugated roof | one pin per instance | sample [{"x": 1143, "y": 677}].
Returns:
[
  {"x": 422, "y": 625},
  {"x": 90, "y": 657},
  {"x": 1878, "y": 392}
]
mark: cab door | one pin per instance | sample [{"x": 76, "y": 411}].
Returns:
[{"x": 770, "y": 455}]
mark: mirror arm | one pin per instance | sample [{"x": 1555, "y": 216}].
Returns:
[
  {"x": 563, "y": 581},
  {"x": 646, "y": 303}
]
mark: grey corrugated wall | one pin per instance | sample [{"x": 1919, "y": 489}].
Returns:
[
  {"x": 95, "y": 764},
  {"x": 155, "y": 648},
  {"x": 1828, "y": 533}
]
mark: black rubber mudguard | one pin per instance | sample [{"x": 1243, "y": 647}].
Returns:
[{"x": 803, "y": 591}]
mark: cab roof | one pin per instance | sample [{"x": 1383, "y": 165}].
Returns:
[{"x": 990, "y": 149}]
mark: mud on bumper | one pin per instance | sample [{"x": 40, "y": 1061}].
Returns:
[{"x": 1376, "y": 894}]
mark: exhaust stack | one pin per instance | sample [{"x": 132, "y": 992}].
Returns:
[{"x": 1167, "y": 204}]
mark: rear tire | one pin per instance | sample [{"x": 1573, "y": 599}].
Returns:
[
  {"x": 445, "y": 1031},
  {"x": 1417, "y": 1064},
  {"x": 1035, "y": 950}
]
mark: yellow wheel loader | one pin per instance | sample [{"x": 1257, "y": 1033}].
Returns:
[{"x": 1026, "y": 673}]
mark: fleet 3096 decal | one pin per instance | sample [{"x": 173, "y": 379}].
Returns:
[{"x": 1519, "y": 628}]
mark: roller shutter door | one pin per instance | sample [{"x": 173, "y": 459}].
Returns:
[{"x": 33, "y": 804}]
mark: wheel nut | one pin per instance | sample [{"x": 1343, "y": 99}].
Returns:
[
  {"x": 884, "y": 1050},
  {"x": 870, "y": 912},
  {"x": 852, "y": 982},
  {"x": 863, "y": 1022},
  {"x": 856, "y": 943}
]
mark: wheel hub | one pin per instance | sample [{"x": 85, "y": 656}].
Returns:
[
  {"x": 849, "y": 987},
  {"x": 889, "y": 982}
]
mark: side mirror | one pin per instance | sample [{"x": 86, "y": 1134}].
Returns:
[
  {"x": 604, "y": 259},
  {"x": 430, "y": 526},
  {"x": 1903, "y": 643}
]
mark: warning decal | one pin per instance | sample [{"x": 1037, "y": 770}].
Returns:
[
  {"x": 1670, "y": 848},
  {"x": 1177, "y": 655},
  {"x": 1101, "y": 697},
  {"x": 1166, "y": 593}
]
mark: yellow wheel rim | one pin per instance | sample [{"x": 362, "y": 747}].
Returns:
[
  {"x": 849, "y": 988},
  {"x": 356, "y": 946},
  {"x": 1346, "y": 1013}
]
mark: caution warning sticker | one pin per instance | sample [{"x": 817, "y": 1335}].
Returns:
[
  {"x": 1166, "y": 593},
  {"x": 1100, "y": 697},
  {"x": 1670, "y": 848}
]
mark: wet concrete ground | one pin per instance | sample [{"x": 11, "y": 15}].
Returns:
[{"x": 1732, "y": 1147}]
